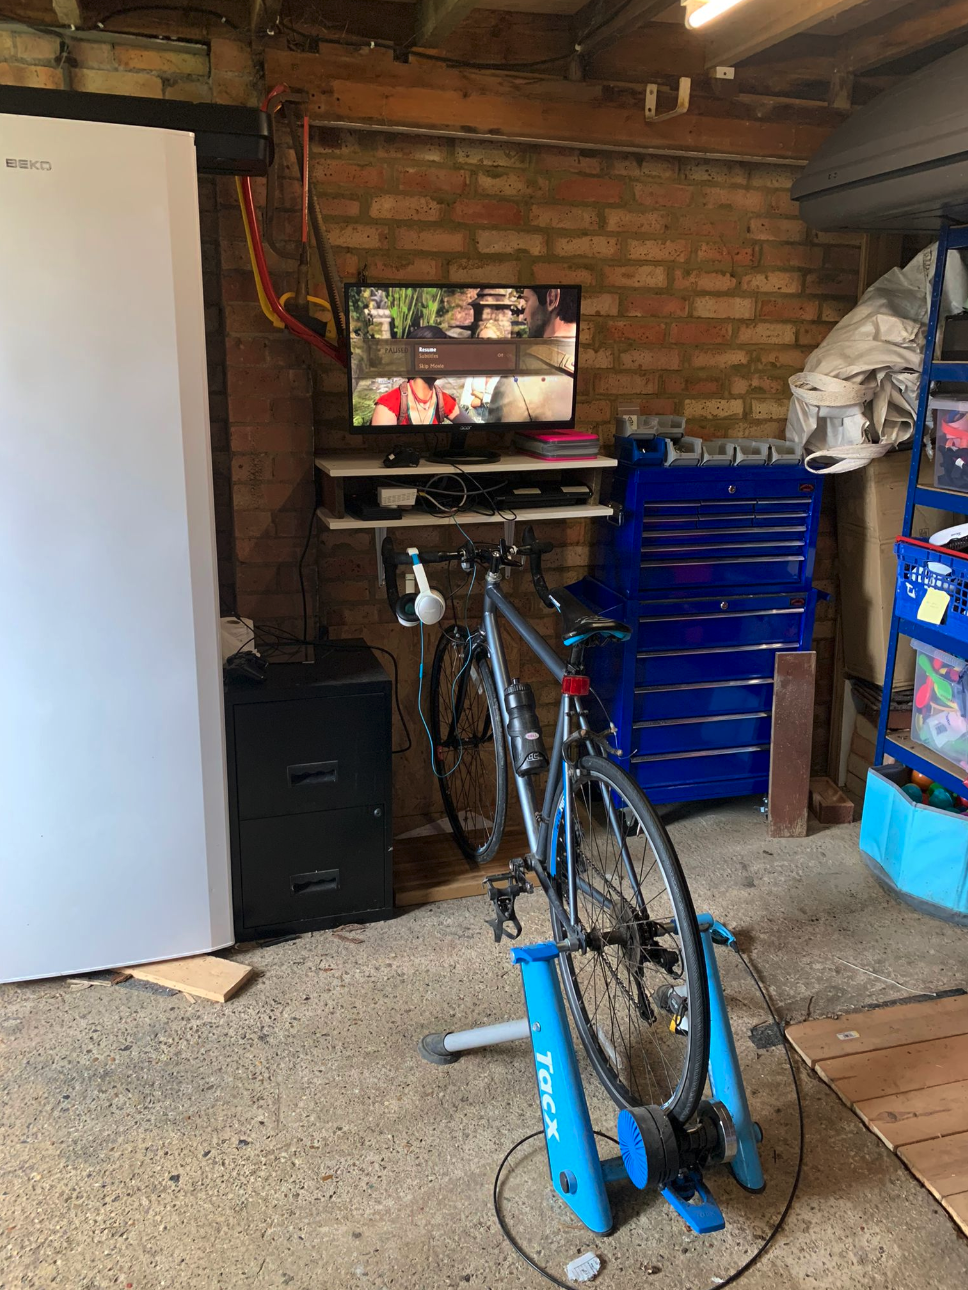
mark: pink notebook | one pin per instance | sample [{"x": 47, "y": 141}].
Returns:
[{"x": 558, "y": 445}]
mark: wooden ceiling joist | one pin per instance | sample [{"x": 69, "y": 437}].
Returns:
[
  {"x": 760, "y": 24},
  {"x": 914, "y": 32},
  {"x": 379, "y": 94},
  {"x": 601, "y": 22}
]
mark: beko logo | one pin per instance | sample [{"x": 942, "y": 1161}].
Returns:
[{"x": 23, "y": 163}]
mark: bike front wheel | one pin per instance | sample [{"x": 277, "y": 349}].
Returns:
[
  {"x": 470, "y": 756},
  {"x": 638, "y": 993}
]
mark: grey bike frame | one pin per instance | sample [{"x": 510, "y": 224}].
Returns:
[{"x": 570, "y": 713}]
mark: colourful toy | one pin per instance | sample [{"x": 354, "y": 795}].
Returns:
[
  {"x": 941, "y": 799},
  {"x": 913, "y": 792},
  {"x": 922, "y": 781},
  {"x": 941, "y": 691}
]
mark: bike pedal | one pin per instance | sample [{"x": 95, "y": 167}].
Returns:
[{"x": 502, "y": 890}]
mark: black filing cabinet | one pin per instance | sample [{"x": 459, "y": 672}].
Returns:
[{"x": 310, "y": 794}]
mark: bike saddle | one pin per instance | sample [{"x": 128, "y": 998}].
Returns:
[{"x": 579, "y": 624}]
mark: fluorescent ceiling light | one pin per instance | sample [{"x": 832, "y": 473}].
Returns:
[{"x": 698, "y": 15}]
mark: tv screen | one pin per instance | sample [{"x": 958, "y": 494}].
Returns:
[{"x": 458, "y": 356}]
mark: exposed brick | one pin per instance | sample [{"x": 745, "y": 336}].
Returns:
[
  {"x": 484, "y": 270},
  {"x": 346, "y": 174},
  {"x": 644, "y": 359},
  {"x": 95, "y": 82},
  {"x": 402, "y": 268},
  {"x": 635, "y": 275},
  {"x": 834, "y": 310},
  {"x": 470, "y": 211},
  {"x": 189, "y": 92},
  {"x": 700, "y": 280},
  {"x": 737, "y": 255},
  {"x": 375, "y": 235},
  {"x": 656, "y": 306},
  {"x": 599, "y": 304},
  {"x": 339, "y": 206},
  {"x": 738, "y": 199},
  {"x": 552, "y": 272},
  {"x": 418, "y": 208},
  {"x": 627, "y": 221},
  {"x": 832, "y": 284},
  {"x": 231, "y": 56},
  {"x": 653, "y": 249},
  {"x": 98, "y": 54},
  {"x": 842, "y": 257},
  {"x": 778, "y": 283},
  {"x": 500, "y": 242},
  {"x": 698, "y": 170},
  {"x": 35, "y": 48},
  {"x": 413, "y": 147},
  {"x": 596, "y": 358},
  {"x": 707, "y": 224},
  {"x": 511, "y": 183},
  {"x": 782, "y": 204},
  {"x": 714, "y": 409},
  {"x": 600, "y": 247},
  {"x": 781, "y": 253},
  {"x": 769, "y": 409},
  {"x": 623, "y": 383},
  {"x": 431, "y": 180},
  {"x": 556, "y": 216},
  {"x": 645, "y": 332},
  {"x": 767, "y": 333},
  {"x": 684, "y": 383},
  {"x": 812, "y": 333},
  {"x": 663, "y": 194},
  {"x": 718, "y": 357},
  {"x": 771, "y": 175},
  {"x": 723, "y": 307},
  {"x": 238, "y": 91},
  {"x": 700, "y": 333},
  {"x": 778, "y": 230},
  {"x": 44, "y": 78},
  {"x": 170, "y": 61},
  {"x": 421, "y": 238},
  {"x": 580, "y": 163},
  {"x": 589, "y": 190},
  {"x": 786, "y": 309},
  {"x": 475, "y": 152}
]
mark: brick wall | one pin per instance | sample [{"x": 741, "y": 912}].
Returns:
[{"x": 703, "y": 294}]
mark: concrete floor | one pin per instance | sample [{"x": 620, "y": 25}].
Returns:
[{"x": 293, "y": 1137}]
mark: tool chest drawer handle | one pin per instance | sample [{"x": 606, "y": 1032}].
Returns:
[
  {"x": 311, "y": 774},
  {"x": 306, "y": 884}
]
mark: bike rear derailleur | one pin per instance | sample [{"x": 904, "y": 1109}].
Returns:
[{"x": 502, "y": 890}]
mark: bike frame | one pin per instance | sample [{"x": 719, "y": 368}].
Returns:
[{"x": 572, "y": 723}]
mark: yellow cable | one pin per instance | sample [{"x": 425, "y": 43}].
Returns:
[
  {"x": 321, "y": 304},
  {"x": 263, "y": 300}
]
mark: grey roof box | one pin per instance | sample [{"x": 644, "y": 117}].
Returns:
[{"x": 899, "y": 163}]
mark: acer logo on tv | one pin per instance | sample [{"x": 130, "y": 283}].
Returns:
[{"x": 24, "y": 163}]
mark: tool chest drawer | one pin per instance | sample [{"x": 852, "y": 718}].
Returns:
[
  {"x": 728, "y": 772},
  {"x": 739, "y": 620},
  {"x": 702, "y": 699},
  {"x": 698, "y": 734},
  {"x": 723, "y": 663}
]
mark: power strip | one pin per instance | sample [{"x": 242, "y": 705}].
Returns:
[{"x": 390, "y": 496}]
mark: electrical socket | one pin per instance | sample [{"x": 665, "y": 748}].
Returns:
[{"x": 400, "y": 497}]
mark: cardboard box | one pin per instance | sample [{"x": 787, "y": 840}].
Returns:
[{"x": 870, "y": 515}]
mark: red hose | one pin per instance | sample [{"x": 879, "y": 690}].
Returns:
[
  {"x": 305, "y": 185},
  {"x": 292, "y": 324}
]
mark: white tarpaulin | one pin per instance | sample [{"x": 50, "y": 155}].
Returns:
[{"x": 857, "y": 395}]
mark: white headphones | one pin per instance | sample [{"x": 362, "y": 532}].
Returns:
[{"x": 428, "y": 604}]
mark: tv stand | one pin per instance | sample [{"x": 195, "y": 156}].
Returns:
[{"x": 458, "y": 454}]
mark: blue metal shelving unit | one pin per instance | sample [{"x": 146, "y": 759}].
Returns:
[{"x": 904, "y": 621}]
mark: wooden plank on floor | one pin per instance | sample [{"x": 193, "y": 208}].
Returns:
[
  {"x": 431, "y": 868},
  {"x": 957, "y": 1207},
  {"x": 204, "y": 975},
  {"x": 897, "y": 1070},
  {"x": 941, "y": 1164},
  {"x": 791, "y": 743},
  {"x": 876, "y": 1028},
  {"x": 905, "y": 1118}
]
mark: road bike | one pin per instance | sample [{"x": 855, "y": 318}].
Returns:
[{"x": 631, "y": 958}]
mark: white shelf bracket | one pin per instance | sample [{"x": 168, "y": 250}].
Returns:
[{"x": 682, "y": 103}]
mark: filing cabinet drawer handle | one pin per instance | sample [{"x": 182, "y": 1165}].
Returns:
[
  {"x": 304, "y": 884},
  {"x": 312, "y": 773}
]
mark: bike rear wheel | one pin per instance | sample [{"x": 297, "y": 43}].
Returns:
[
  {"x": 470, "y": 755},
  {"x": 638, "y": 993}
]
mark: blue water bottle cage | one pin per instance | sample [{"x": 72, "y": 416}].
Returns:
[{"x": 654, "y": 1153}]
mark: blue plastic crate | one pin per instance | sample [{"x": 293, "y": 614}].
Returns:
[
  {"x": 920, "y": 568},
  {"x": 920, "y": 853}
]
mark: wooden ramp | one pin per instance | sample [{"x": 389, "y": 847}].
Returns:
[
  {"x": 904, "y": 1071},
  {"x": 431, "y": 868}
]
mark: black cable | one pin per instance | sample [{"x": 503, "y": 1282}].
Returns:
[
  {"x": 734, "y": 1276},
  {"x": 166, "y": 8}
]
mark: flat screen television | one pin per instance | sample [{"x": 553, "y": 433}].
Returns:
[{"x": 434, "y": 359}]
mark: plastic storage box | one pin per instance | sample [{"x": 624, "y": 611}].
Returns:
[
  {"x": 939, "y": 717},
  {"x": 919, "y": 853},
  {"x": 950, "y": 443}
]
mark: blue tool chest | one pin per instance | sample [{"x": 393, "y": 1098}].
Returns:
[{"x": 712, "y": 568}]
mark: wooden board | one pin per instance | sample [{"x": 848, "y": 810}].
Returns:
[
  {"x": 431, "y": 868},
  {"x": 907, "y": 1023},
  {"x": 203, "y": 975},
  {"x": 904, "y": 1071},
  {"x": 791, "y": 743}
]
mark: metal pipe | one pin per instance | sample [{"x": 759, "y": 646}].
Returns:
[{"x": 503, "y": 1032}]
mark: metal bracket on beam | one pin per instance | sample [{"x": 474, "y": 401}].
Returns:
[
  {"x": 682, "y": 104},
  {"x": 509, "y": 539}
]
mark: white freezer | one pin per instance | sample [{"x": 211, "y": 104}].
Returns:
[{"x": 113, "y": 820}]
